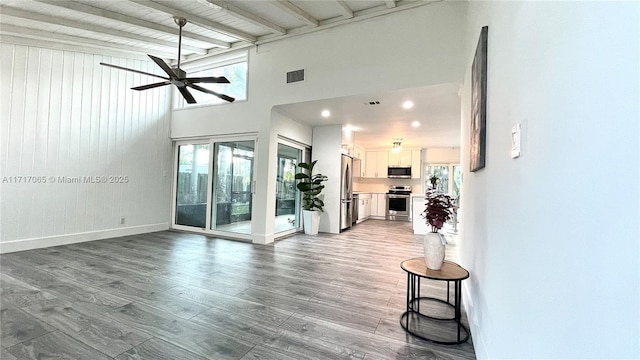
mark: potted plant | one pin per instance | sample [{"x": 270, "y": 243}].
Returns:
[
  {"x": 311, "y": 186},
  {"x": 438, "y": 210},
  {"x": 434, "y": 181}
]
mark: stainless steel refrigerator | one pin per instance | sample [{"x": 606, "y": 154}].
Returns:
[{"x": 346, "y": 192}]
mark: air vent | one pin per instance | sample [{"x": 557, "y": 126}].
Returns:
[
  {"x": 295, "y": 76},
  {"x": 374, "y": 102}
]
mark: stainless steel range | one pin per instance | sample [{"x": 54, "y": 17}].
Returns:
[{"x": 398, "y": 202}]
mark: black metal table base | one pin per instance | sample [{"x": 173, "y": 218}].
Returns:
[{"x": 413, "y": 308}]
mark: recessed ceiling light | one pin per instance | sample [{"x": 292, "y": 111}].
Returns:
[
  {"x": 407, "y": 104},
  {"x": 415, "y": 124},
  {"x": 325, "y": 113}
]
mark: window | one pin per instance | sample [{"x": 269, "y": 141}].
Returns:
[
  {"x": 441, "y": 173},
  {"x": 232, "y": 66},
  {"x": 449, "y": 178}
]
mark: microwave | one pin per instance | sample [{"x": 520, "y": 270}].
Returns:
[{"x": 399, "y": 172}]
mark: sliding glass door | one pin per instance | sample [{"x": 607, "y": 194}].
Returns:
[
  {"x": 287, "y": 195},
  {"x": 232, "y": 186},
  {"x": 192, "y": 184},
  {"x": 223, "y": 201}
]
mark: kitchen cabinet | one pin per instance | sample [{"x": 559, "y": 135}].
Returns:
[
  {"x": 416, "y": 164},
  {"x": 379, "y": 205},
  {"x": 358, "y": 170},
  {"x": 358, "y": 152},
  {"x": 364, "y": 207},
  {"x": 374, "y": 205},
  {"x": 382, "y": 205},
  {"x": 401, "y": 158},
  {"x": 376, "y": 164}
]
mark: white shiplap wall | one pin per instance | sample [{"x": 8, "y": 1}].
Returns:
[{"x": 63, "y": 114}]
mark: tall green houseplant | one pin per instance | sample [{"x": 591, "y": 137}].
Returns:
[{"x": 311, "y": 186}]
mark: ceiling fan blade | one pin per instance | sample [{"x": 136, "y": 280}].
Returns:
[
  {"x": 151, "y": 86},
  {"x": 164, "y": 67},
  {"x": 209, "y": 80},
  {"x": 186, "y": 94},
  {"x": 135, "y": 71},
  {"x": 221, "y": 96}
]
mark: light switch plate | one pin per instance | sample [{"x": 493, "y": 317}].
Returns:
[{"x": 515, "y": 141}]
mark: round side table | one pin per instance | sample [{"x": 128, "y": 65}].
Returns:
[{"x": 416, "y": 269}]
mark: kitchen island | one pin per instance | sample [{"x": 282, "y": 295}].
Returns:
[{"x": 418, "y": 222}]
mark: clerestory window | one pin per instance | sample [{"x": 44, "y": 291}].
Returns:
[{"x": 233, "y": 66}]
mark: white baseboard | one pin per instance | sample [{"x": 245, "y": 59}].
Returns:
[
  {"x": 263, "y": 239},
  {"x": 37, "y": 243},
  {"x": 478, "y": 341}
]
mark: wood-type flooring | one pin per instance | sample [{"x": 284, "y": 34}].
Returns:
[{"x": 175, "y": 295}]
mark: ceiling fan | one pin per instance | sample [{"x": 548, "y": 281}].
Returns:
[{"x": 177, "y": 76}]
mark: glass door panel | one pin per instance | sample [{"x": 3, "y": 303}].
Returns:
[
  {"x": 191, "y": 185},
  {"x": 457, "y": 182},
  {"x": 287, "y": 195},
  {"x": 440, "y": 172},
  {"x": 232, "y": 193}
]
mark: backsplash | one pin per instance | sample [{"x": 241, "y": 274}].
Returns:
[{"x": 381, "y": 185}]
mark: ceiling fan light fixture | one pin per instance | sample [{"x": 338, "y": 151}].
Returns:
[
  {"x": 180, "y": 21},
  {"x": 177, "y": 76}
]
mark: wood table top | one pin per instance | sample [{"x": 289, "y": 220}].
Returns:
[{"x": 449, "y": 270}]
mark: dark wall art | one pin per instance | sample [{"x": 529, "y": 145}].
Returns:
[{"x": 479, "y": 103}]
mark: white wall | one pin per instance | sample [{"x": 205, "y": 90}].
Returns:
[
  {"x": 281, "y": 126},
  {"x": 381, "y": 185},
  {"x": 551, "y": 239},
  {"x": 358, "y": 58},
  {"x": 442, "y": 155},
  {"x": 64, "y": 115},
  {"x": 327, "y": 149}
]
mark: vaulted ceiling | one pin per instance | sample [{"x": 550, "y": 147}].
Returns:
[
  {"x": 134, "y": 28},
  {"x": 138, "y": 27}
]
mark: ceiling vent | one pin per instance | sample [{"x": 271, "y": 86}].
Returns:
[
  {"x": 295, "y": 76},
  {"x": 374, "y": 102}
]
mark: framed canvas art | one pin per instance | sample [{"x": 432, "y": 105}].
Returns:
[{"x": 478, "y": 133}]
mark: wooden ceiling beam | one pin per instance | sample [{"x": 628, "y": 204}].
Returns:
[
  {"x": 42, "y": 35},
  {"x": 130, "y": 20},
  {"x": 296, "y": 11},
  {"x": 197, "y": 20},
  {"x": 226, "y": 6},
  {"x": 345, "y": 10},
  {"x": 8, "y": 11}
]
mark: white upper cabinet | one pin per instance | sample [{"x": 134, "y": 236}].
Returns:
[
  {"x": 358, "y": 152},
  {"x": 402, "y": 158},
  {"x": 376, "y": 164}
]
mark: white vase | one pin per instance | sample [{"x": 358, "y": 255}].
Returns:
[
  {"x": 311, "y": 221},
  {"x": 433, "y": 250}
]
